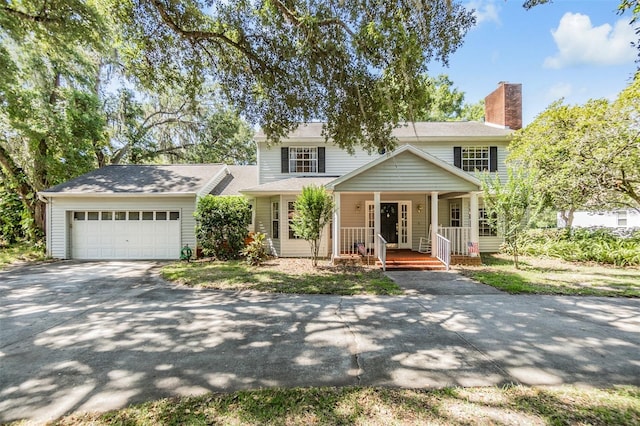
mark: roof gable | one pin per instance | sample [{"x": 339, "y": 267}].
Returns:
[{"x": 406, "y": 169}]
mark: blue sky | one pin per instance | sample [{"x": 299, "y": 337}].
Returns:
[{"x": 576, "y": 50}]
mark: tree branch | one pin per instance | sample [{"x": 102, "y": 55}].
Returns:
[
  {"x": 198, "y": 35},
  {"x": 40, "y": 18}
]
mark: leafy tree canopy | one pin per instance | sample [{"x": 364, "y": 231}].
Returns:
[
  {"x": 354, "y": 65},
  {"x": 507, "y": 203},
  {"x": 585, "y": 156}
]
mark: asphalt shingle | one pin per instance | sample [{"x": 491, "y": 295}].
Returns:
[{"x": 147, "y": 179}]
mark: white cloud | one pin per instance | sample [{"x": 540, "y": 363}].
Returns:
[
  {"x": 560, "y": 90},
  {"x": 580, "y": 43},
  {"x": 485, "y": 11}
]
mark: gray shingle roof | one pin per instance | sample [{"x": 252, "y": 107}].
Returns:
[
  {"x": 145, "y": 179},
  {"x": 294, "y": 184},
  {"x": 421, "y": 130},
  {"x": 240, "y": 177}
]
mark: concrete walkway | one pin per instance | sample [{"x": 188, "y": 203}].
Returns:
[
  {"x": 97, "y": 336},
  {"x": 439, "y": 283}
]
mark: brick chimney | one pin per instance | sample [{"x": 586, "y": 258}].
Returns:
[{"x": 503, "y": 106}]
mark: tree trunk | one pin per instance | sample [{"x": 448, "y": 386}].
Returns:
[{"x": 25, "y": 190}]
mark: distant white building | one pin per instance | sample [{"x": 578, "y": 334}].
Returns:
[{"x": 608, "y": 219}]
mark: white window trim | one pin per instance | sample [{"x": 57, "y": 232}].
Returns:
[
  {"x": 475, "y": 158},
  {"x": 293, "y": 161}
]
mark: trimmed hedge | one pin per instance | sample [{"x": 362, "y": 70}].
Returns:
[{"x": 599, "y": 245}]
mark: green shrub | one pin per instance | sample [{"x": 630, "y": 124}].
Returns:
[
  {"x": 222, "y": 224},
  {"x": 12, "y": 212},
  {"x": 600, "y": 245},
  {"x": 256, "y": 251}
]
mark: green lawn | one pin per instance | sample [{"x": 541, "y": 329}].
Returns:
[
  {"x": 539, "y": 275},
  {"x": 381, "y": 406},
  {"x": 19, "y": 253},
  {"x": 281, "y": 276}
]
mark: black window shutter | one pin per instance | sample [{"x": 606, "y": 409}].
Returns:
[
  {"x": 457, "y": 156},
  {"x": 284, "y": 160},
  {"x": 493, "y": 158},
  {"x": 321, "y": 156}
]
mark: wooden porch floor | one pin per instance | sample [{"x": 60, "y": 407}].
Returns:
[{"x": 402, "y": 259}]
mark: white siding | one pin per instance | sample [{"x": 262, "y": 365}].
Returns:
[
  {"x": 406, "y": 172},
  {"x": 338, "y": 162},
  {"x": 262, "y": 206},
  {"x": 489, "y": 244},
  {"x": 58, "y": 227},
  {"x": 297, "y": 247},
  {"x": 605, "y": 219}
]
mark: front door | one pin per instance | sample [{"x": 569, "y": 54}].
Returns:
[{"x": 389, "y": 222}]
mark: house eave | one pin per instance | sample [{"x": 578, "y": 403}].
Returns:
[{"x": 116, "y": 194}]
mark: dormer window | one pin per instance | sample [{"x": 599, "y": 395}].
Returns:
[{"x": 303, "y": 159}]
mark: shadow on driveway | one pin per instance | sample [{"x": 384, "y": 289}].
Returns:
[{"x": 97, "y": 336}]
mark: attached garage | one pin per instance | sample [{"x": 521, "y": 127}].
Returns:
[
  {"x": 125, "y": 234},
  {"x": 128, "y": 212}
]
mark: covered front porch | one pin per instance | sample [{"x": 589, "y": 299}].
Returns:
[
  {"x": 407, "y": 200},
  {"x": 389, "y": 226}
]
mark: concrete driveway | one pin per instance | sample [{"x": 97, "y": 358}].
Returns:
[{"x": 95, "y": 336}]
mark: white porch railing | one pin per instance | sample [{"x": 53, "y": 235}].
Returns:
[
  {"x": 459, "y": 238},
  {"x": 382, "y": 251},
  {"x": 443, "y": 250},
  {"x": 357, "y": 240}
]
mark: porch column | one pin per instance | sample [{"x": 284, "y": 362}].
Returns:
[
  {"x": 336, "y": 226},
  {"x": 474, "y": 219},
  {"x": 434, "y": 222},
  {"x": 376, "y": 220}
]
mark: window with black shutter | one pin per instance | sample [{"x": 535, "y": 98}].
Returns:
[
  {"x": 476, "y": 158},
  {"x": 284, "y": 160},
  {"x": 303, "y": 159}
]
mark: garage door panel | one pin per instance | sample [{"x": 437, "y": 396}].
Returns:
[{"x": 125, "y": 239}]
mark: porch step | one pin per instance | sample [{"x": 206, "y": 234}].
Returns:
[{"x": 414, "y": 264}]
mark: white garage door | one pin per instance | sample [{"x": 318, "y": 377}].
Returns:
[{"x": 125, "y": 235}]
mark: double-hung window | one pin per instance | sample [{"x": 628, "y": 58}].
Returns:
[
  {"x": 275, "y": 220},
  {"x": 455, "y": 214},
  {"x": 476, "y": 158},
  {"x": 303, "y": 159},
  {"x": 484, "y": 225}
]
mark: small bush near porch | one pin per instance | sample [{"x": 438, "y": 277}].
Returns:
[
  {"x": 282, "y": 276},
  {"x": 541, "y": 275}
]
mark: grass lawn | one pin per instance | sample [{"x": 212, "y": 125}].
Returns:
[
  {"x": 381, "y": 406},
  {"x": 19, "y": 253},
  {"x": 281, "y": 276},
  {"x": 553, "y": 276}
]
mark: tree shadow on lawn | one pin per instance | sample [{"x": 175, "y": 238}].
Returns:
[
  {"x": 348, "y": 405},
  {"x": 235, "y": 275}
]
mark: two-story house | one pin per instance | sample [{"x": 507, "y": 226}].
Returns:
[
  {"x": 427, "y": 186},
  {"x": 423, "y": 191}
]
